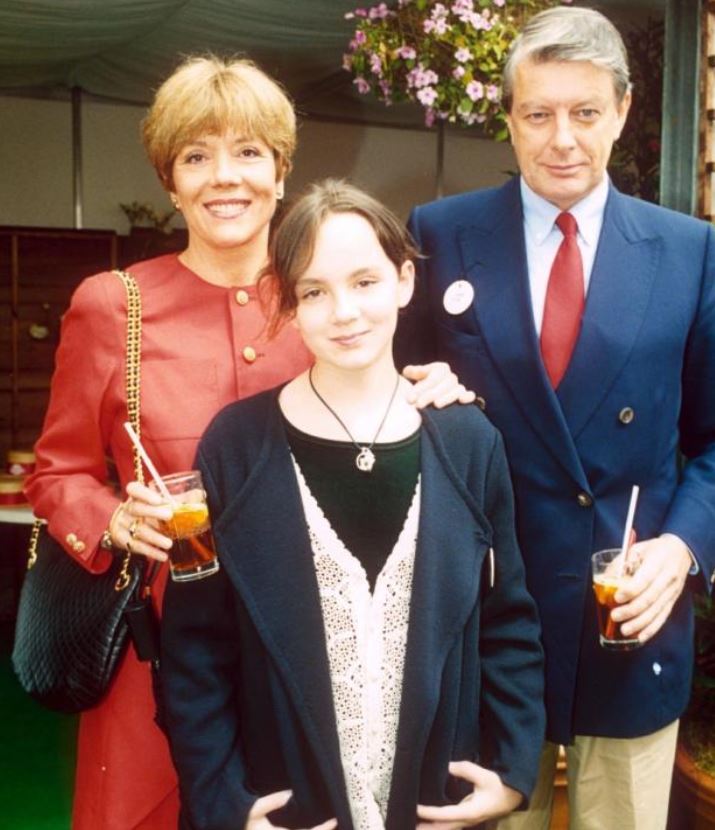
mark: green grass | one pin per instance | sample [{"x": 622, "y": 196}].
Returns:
[{"x": 37, "y": 757}]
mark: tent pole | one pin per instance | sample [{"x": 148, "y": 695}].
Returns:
[
  {"x": 439, "y": 170},
  {"x": 77, "y": 155}
]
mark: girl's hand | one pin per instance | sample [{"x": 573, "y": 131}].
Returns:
[
  {"x": 490, "y": 798},
  {"x": 133, "y": 525},
  {"x": 436, "y": 384},
  {"x": 257, "y": 817}
]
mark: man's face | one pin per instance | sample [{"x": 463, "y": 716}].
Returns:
[{"x": 563, "y": 121}]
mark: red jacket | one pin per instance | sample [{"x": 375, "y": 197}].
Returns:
[{"x": 203, "y": 346}]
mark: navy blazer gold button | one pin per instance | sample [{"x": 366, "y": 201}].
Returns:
[
  {"x": 626, "y": 415},
  {"x": 584, "y": 500}
]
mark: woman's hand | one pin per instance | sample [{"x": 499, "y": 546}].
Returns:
[
  {"x": 436, "y": 384},
  {"x": 133, "y": 525},
  {"x": 257, "y": 817},
  {"x": 491, "y": 798}
]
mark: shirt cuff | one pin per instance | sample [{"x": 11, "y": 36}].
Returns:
[{"x": 694, "y": 568}]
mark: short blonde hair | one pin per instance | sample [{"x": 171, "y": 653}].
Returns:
[{"x": 211, "y": 95}]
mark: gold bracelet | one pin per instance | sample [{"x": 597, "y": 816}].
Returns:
[{"x": 105, "y": 541}]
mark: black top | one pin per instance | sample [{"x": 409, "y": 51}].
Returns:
[{"x": 367, "y": 510}]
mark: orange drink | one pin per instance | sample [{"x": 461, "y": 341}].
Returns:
[
  {"x": 608, "y": 576},
  {"x": 193, "y": 554}
]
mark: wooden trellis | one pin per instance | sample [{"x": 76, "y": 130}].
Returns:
[{"x": 706, "y": 163}]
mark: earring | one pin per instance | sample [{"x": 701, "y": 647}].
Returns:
[
  {"x": 279, "y": 193},
  {"x": 175, "y": 201}
]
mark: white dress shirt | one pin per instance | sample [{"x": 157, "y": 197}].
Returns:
[{"x": 543, "y": 238}]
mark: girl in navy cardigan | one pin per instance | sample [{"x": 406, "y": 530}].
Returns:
[{"x": 368, "y": 656}]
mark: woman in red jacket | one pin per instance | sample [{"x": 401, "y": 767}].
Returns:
[{"x": 221, "y": 136}]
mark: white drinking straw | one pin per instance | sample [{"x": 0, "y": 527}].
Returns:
[
  {"x": 150, "y": 466},
  {"x": 629, "y": 526}
]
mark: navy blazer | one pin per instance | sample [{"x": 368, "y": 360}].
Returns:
[
  {"x": 244, "y": 660},
  {"x": 647, "y": 344}
]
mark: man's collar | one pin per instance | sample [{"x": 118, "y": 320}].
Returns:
[{"x": 540, "y": 214}]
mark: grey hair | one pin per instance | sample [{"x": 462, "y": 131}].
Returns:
[{"x": 569, "y": 34}]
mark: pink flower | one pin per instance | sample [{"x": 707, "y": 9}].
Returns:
[
  {"x": 501, "y": 3},
  {"x": 406, "y": 53},
  {"x": 427, "y": 96},
  {"x": 492, "y": 93},
  {"x": 421, "y": 77},
  {"x": 375, "y": 65},
  {"x": 458, "y": 72},
  {"x": 360, "y": 12},
  {"x": 379, "y": 12},
  {"x": 386, "y": 90},
  {"x": 463, "y": 55},
  {"x": 363, "y": 87},
  {"x": 429, "y": 117},
  {"x": 359, "y": 39},
  {"x": 461, "y": 6},
  {"x": 479, "y": 22},
  {"x": 475, "y": 90}
]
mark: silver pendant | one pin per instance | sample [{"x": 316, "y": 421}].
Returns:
[{"x": 365, "y": 460}]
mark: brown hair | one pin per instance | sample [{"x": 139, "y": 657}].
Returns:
[
  {"x": 210, "y": 95},
  {"x": 293, "y": 242}
]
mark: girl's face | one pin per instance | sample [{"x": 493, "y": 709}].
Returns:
[
  {"x": 226, "y": 187},
  {"x": 350, "y": 295}
]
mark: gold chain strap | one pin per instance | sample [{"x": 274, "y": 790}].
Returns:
[
  {"x": 133, "y": 372},
  {"x": 133, "y": 386},
  {"x": 133, "y": 383},
  {"x": 32, "y": 547}
]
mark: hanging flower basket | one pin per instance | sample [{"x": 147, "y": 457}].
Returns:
[{"x": 447, "y": 57}]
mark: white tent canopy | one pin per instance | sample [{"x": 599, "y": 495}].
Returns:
[{"x": 122, "y": 49}]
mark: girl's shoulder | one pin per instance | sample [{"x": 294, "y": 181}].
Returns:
[
  {"x": 242, "y": 423},
  {"x": 460, "y": 424}
]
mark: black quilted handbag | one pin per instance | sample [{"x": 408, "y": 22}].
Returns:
[{"x": 71, "y": 628}]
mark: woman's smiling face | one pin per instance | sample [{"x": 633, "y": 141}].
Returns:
[{"x": 226, "y": 187}]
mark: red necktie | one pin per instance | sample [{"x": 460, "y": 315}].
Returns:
[{"x": 564, "y": 303}]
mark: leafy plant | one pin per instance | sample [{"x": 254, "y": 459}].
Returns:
[
  {"x": 143, "y": 215},
  {"x": 447, "y": 57},
  {"x": 635, "y": 162},
  {"x": 698, "y": 724}
]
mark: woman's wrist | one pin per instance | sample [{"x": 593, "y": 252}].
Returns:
[{"x": 108, "y": 540}]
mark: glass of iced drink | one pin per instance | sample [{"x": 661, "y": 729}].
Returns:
[
  {"x": 609, "y": 573},
  {"x": 193, "y": 554}
]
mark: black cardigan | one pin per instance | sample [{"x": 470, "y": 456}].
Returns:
[{"x": 244, "y": 664}]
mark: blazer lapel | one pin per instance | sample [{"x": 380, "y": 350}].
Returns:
[
  {"x": 443, "y": 596},
  {"x": 270, "y": 562},
  {"x": 494, "y": 258},
  {"x": 616, "y": 305}
]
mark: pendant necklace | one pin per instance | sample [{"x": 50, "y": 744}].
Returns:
[{"x": 365, "y": 459}]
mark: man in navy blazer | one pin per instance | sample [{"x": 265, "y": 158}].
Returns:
[{"x": 638, "y": 385}]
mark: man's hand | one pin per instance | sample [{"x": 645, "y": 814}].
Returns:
[
  {"x": 490, "y": 798},
  {"x": 647, "y": 599},
  {"x": 436, "y": 384}
]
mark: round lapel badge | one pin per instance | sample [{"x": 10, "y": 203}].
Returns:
[{"x": 458, "y": 297}]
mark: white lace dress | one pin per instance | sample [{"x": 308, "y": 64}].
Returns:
[{"x": 366, "y": 636}]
